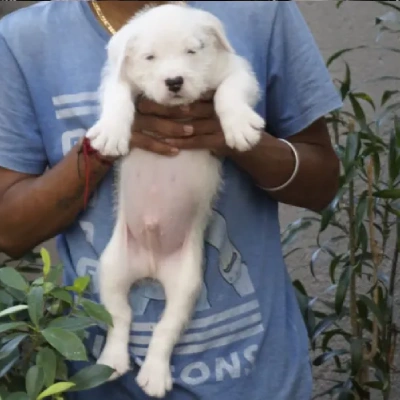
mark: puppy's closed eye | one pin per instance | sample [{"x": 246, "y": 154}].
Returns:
[{"x": 197, "y": 49}]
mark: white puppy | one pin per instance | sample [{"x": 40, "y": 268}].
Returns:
[{"x": 172, "y": 54}]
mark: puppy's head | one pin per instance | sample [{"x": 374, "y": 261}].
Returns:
[{"x": 170, "y": 53}]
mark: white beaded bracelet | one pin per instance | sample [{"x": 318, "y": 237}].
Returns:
[{"x": 295, "y": 171}]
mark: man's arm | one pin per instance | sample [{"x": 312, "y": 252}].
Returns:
[
  {"x": 271, "y": 163},
  {"x": 36, "y": 208}
]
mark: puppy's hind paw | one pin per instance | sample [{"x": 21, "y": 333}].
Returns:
[
  {"x": 119, "y": 362},
  {"x": 155, "y": 378}
]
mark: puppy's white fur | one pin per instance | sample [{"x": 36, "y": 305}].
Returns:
[{"x": 164, "y": 203}]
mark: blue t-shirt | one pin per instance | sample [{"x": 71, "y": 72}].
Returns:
[{"x": 247, "y": 338}]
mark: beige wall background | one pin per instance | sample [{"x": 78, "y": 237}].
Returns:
[{"x": 333, "y": 29}]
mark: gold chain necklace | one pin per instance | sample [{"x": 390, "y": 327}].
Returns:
[
  {"x": 102, "y": 18},
  {"x": 105, "y": 21}
]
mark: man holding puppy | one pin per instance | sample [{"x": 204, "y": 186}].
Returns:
[{"x": 247, "y": 336}]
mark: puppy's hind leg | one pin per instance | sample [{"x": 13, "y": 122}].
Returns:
[
  {"x": 117, "y": 274},
  {"x": 181, "y": 276}
]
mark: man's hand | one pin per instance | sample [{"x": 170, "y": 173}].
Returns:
[{"x": 167, "y": 130}]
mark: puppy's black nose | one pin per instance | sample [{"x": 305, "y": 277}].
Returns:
[{"x": 174, "y": 84}]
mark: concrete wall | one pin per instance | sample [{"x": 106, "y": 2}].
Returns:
[{"x": 351, "y": 25}]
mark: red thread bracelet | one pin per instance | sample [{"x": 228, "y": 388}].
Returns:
[{"x": 88, "y": 150}]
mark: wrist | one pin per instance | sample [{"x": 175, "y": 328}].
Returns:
[
  {"x": 85, "y": 147},
  {"x": 270, "y": 163}
]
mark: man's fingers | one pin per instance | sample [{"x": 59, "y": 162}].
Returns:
[
  {"x": 144, "y": 142},
  {"x": 198, "y": 142},
  {"x": 200, "y": 110},
  {"x": 208, "y": 96},
  {"x": 169, "y": 128},
  {"x": 162, "y": 127}
]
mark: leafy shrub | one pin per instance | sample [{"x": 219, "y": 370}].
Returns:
[
  {"x": 350, "y": 327},
  {"x": 42, "y": 327}
]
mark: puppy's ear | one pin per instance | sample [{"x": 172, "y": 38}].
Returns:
[
  {"x": 215, "y": 27},
  {"x": 119, "y": 48}
]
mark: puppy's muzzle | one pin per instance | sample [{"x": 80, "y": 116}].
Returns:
[{"x": 174, "y": 84}]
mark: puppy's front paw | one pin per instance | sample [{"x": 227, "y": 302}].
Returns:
[
  {"x": 242, "y": 127},
  {"x": 155, "y": 378},
  {"x": 109, "y": 140}
]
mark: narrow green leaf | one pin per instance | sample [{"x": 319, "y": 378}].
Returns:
[
  {"x": 66, "y": 343},
  {"x": 11, "y": 345},
  {"x": 373, "y": 308},
  {"x": 35, "y": 304},
  {"x": 332, "y": 267},
  {"x": 13, "y": 279},
  {"x": 72, "y": 323},
  {"x": 352, "y": 149},
  {"x": 91, "y": 377},
  {"x": 57, "y": 388},
  {"x": 294, "y": 228},
  {"x": 10, "y": 326},
  {"x": 356, "y": 352},
  {"x": 362, "y": 238},
  {"x": 361, "y": 208},
  {"x": 392, "y": 161},
  {"x": 339, "y": 53},
  {"x": 366, "y": 97},
  {"x": 34, "y": 381},
  {"x": 393, "y": 194},
  {"x": 342, "y": 288},
  {"x": 47, "y": 360},
  {"x": 97, "y": 311},
  {"x": 389, "y": 4},
  {"x": 397, "y": 130},
  {"x": 46, "y": 261},
  {"x": 13, "y": 310},
  {"x": 323, "y": 325},
  {"x": 346, "y": 84},
  {"x": 323, "y": 358},
  {"x": 359, "y": 112},
  {"x": 8, "y": 362},
  {"x": 313, "y": 260},
  {"x": 387, "y": 95},
  {"x": 331, "y": 334}
]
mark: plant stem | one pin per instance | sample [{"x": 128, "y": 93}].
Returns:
[
  {"x": 392, "y": 331},
  {"x": 353, "y": 279},
  {"x": 376, "y": 258}
]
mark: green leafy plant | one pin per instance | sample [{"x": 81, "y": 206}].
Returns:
[
  {"x": 350, "y": 325},
  {"x": 42, "y": 326}
]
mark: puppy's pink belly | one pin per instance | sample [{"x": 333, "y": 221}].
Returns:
[
  {"x": 162, "y": 198},
  {"x": 159, "y": 224}
]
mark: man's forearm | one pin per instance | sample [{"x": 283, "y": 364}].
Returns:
[
  {"x": 271, "y": 163},
  {"x": 38, "y": 208}
]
